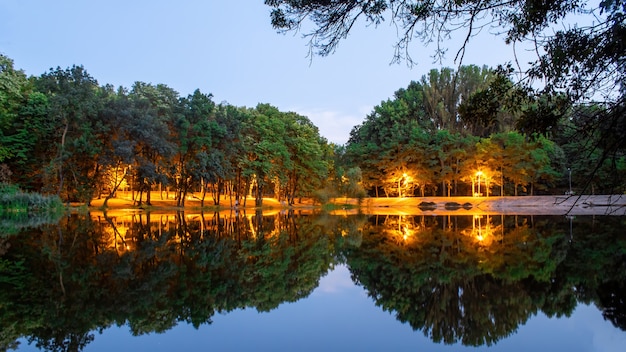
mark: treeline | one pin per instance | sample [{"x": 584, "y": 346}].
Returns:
[
  {"x": 63, "y": 133},
  {"x": 450, "y": 133},
  {"x": 474, "y": 131}
]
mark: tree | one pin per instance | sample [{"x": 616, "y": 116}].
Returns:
[
  {"x": 227, "y": 157},
  {"x": 579, "y": 44},
  {"x": 192, "y": 137},
  {"x": 592, "y": 151},
  {"x": 418, "y": 135},
  {"x": 306, "y": 151},
  {"x": 13, "y": 86},
  {"x": 153, "y": 110},
  {"x": 117, "y": 156},
  {"x": 23, "y": 141},
  {"x": 445, "y": 89},
  {"x": 266, "y": 152},
  {"x": 77, "y": 133},
  {"x": 492, "y": 108},
  {"x": 378, "y": 146}
]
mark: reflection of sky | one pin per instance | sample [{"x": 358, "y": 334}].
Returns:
[{"x": 338, "y": 316}]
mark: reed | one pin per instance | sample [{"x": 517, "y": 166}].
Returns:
[{"x": 14, "y": 202}]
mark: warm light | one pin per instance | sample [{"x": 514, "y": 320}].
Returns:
[{"x": 478, "y": 174}]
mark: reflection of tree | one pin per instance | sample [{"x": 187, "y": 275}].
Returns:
[
  {"x": 60, "y": 284},
  {"x": 453, "y": 285},
  {"x": 612, "y": 301},
  {"x": 597, "y": 265},
  {"x": 151, "y": 271}
]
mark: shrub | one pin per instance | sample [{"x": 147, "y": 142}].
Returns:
[{"x": 14, "y": 200}]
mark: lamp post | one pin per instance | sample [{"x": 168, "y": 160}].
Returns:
[
  {"x": 569, "y": 170},
  {"x": 405, "y": 183}
]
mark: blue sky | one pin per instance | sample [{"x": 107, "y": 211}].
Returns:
[{"x": 227, "y": 48}]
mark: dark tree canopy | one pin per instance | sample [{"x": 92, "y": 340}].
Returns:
[
  {"x": 579, "y": 43},
  {"x": 580, "y": 48}
]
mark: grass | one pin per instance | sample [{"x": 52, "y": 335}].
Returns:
[{"x": 19, "y": 209}]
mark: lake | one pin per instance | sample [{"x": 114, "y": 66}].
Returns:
[{"x": 308, "y": 281}]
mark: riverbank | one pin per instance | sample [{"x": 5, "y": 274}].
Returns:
[
  {"x": 539, "y": 205},
  {"x": 529, "y": 205}
]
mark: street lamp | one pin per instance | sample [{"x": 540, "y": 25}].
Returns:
[
  {"x": 569, "y": 170},
  {"x": 403, "y": 185}
]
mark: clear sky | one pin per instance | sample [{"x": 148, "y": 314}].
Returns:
[{"x": 227, "y": 48}]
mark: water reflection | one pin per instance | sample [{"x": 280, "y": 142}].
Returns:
[{"x": 468, "y": 279}]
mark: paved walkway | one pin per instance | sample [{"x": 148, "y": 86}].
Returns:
[
  {"x": 540, "y": 205},
  {"x": 546, "y": 205}
]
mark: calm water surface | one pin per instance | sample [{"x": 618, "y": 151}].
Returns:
[{"x": 287, "y": 282}]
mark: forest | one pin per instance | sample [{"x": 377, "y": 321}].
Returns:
[{"x": 465, "y": 132}]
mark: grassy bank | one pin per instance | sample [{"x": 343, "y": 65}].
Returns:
[{"x": 19, "y": 209}]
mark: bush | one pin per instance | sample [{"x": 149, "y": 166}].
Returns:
[{"x": 14, "y": 200}]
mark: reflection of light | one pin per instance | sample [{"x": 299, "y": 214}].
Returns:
[
  {"x": 478, "y": 174},
  {"x": 401, "y": 229},
  {"x": 483, "y": 233}
]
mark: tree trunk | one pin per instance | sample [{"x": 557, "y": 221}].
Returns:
[
  {"x": 116, "y": 186},
  {"x": 61, "y": 151},
  {"x": 258, "y": 201}
]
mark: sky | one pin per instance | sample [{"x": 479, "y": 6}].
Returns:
[{"x": 226, "y": 48}]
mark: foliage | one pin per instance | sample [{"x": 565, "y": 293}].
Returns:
[
  {"x": 577, "y": 57},
  {"x": 432, "y": 138},
  {"x": 404, "y": 150},
  {"x": 69, "y": 136},
  {"x": 164, "y": 270},
  {"x": 13, "y": 200},
  {"x": 579, "y": 49},
  {"x": 439, "y": 274},
  {"x": 459, "y": 280}
]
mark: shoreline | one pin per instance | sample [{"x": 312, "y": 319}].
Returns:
[{"x": 465, "y": 205}]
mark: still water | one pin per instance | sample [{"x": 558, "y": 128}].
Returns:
[{"x": 288, "y": 281}]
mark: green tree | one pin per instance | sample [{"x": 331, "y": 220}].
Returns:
[
  {"x": 492, "y": 108},
  {"x": 78, "y": 133},
  {"x": 118, "y": 155},
  {"x": 380, "y": 146},
  {"x": 417, "y": 135},
  {"x": 228, "y": 156},
  {"x": 13, "y": 93},
  {"x": 306, "y": 150},
  {"x": 153, "y": 111},
  {"x": 193, "y": 139},
  {"x": 445, "y": 89},
  {"x": 591, "y": 152},
  {"x": 266, "y": 152},
  {"x": 24, "y": 141}
]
